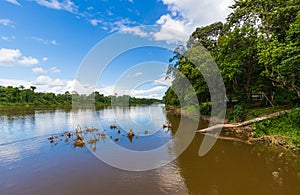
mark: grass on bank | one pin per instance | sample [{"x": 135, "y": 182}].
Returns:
[
  {"x": 283, "y": 130},
  {"x": 286, "y": 126}
]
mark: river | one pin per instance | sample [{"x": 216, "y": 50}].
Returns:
[{"x": 30, "y": 164}]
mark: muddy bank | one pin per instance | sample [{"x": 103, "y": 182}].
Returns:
[{"x": 242, "y": 132}]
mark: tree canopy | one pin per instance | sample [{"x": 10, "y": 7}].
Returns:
[
  {"x": 257, "y": 51},
  {"x": 20, "y": 96}
]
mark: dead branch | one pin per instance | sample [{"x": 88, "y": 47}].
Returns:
[{"x": 246, "y": 123}]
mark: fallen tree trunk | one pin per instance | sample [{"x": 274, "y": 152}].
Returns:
[
  {"x": 215, "y": 127},
  {"x": 228, "y": 138},
  {"x": 246, "y": 123}
]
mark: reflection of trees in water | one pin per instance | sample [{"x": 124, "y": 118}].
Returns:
[
  {"x": 24, "y": 111},
  {"x": 175, "y": 121},
  {"x": 235, "y": 168},
  {"x": 16, "y": 112}
]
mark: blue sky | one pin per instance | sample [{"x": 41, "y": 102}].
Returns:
[{"x": 44, "y": 42}]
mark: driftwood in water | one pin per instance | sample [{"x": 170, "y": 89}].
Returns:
[
  {"x": 246, "y": 123},
  {"x": 215, "y": 127}
]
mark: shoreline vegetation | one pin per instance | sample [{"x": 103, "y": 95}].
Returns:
[
  {"x": 20, "y": 97},
  {"x": 257, "y": 52},
  {"x": 276, "y": 126}
]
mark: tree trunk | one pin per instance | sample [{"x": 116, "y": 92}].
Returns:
[{"x": 246, "y": 123}]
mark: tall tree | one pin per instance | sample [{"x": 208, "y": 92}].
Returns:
[
  {"x": 33, "y": 88},
  {"x": 276, "y": 22}
]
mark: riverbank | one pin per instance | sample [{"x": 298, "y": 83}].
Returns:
[
  {"x": 283, "y": 130},
  {"x": 275, "y": 125},
  {"x": 280, "y": 129}
]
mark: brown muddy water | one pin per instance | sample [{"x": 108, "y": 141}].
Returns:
[{"x": 30, "y": 164}]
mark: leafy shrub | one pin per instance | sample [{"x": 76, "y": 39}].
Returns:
[
  {"x": 239, "y": 113},
  {"x": 205, "y": 108},
  {"x": 287, "y": 125},
  {"x": 254, "y": 114},
  {"x": 190, "y": 109}
]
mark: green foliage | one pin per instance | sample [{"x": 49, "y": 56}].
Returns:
[
  {"x": 14, "y": 96},
  {"x": 239, "y": 113},
  {"x": 254, "y": 114},
  {"x": 282, "y": 58},
  {"x": 238, "y": 62},
  {"x": 206, "y": 36},
  {"x": 287, "y": 125},
  {"x": 171, "y": 98},
  {"x": 257, "y": 51},
  {"x": 193, "y": 65},
  {"x": 205, "y": 108},
  {"x": 190, "y": 109}
]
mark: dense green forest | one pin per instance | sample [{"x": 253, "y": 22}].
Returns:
[
  {"x": 19, "y": 96},
  {"x": 257, "y": 51}
]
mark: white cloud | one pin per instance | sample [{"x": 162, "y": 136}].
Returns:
[
  {"x": 45, "y": 59},
  {"x": 7, "y": 22},
  {"x": 10, "y": 57},
  {"x": 119, "y": 25},
  {"x": 186, "y": 15},
  {"x": 172, "y": 30},
  {"x": 54, "y": 70},
  {"x": 39, "y": 70},
  {"x": 106, "y": 90},
  {"x": 43, "y": 84},
  {"x": 131, "y": 1},
  {"x": 14, "y": 2},
  {"x": 15, "y": 82},
  {"x": 53, "y": 42},
  {"x": 135, "y": 75},
  {"x": 109, "y": 12},
  {"x": 133, "y": 30},
  {"x": 5, "y": 38},
  {"x": 28, "y": 61},
  {"x": 154, "y": 92},
  {"x": 90, "y": 8},
  {"x": 95, "y": 22},
  {"x": 43, "y": 80},
  {"x": 80, "y": 88},
  {"x": 67, "y": 5},
  {"x": 122, "y": 25},
  {"x": 57, "y": 82},
  {"x": 202, "y": 12},
  {"x": 163, "y": 81},
  {"x": 44, "y": 41},
  {"x": 48, "y": 84}
]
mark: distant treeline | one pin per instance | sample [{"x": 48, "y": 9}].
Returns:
[{"x": 20, "y": 96}]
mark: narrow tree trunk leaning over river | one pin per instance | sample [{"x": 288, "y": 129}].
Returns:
[{"x": 246, "y": 123}]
